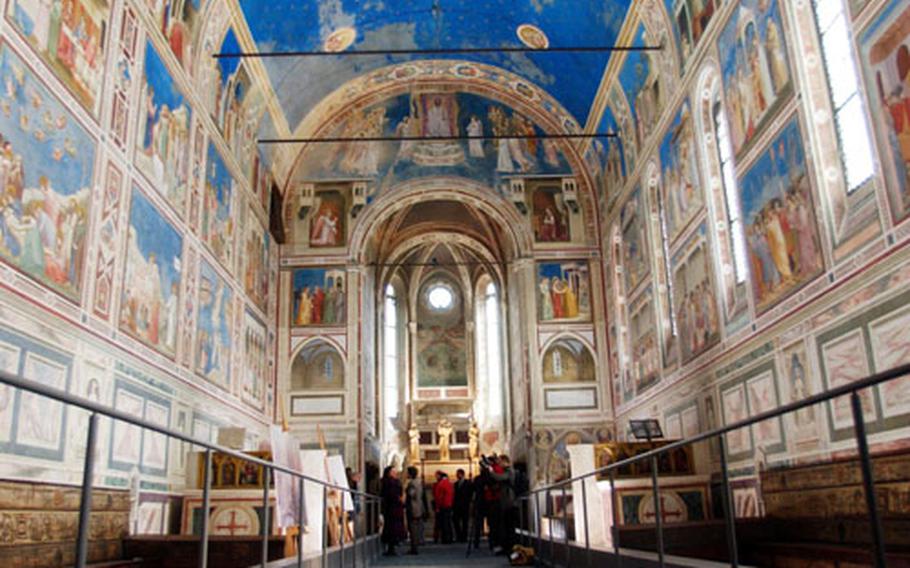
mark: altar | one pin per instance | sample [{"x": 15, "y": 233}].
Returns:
[{"x": 684, "y": 495}]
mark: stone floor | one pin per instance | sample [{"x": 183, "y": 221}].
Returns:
[{"x": 453, "y": 555}]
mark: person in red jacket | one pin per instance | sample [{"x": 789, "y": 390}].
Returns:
[{"x": 444, "y": 498}]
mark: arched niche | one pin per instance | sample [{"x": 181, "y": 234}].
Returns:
[
  {"x": 568, "y": 360},
  {"x": 318, "y": 366}
]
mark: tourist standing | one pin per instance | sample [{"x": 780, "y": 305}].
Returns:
[
  {"x": 462, "y": 506},
  {"x": 414, "y": 508},
  {"x": 393, "y": 530},
  {"x": 444, "y": 497}
]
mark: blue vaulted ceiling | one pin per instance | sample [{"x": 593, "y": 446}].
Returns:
[{"x": 300, "y": 83}]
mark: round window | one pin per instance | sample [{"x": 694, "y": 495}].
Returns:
[{"x": 440, "y": 297}]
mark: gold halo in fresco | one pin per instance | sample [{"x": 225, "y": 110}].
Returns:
[
  {"x": 532, "y": 36},
  {"x": 340, "y": 40}
]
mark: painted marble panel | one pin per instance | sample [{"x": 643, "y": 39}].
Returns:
[
  {"x": 734, "y": 410},
  {"x": 441, "y": 336},
  {"x": 163, "y": 138},
  {"x": 319, "y": 297},
  {"x": 762, "y": 395},
  {"x": 154, "y": 445},
  {"x": 636, "y": 260},
  {"x": 46, "y": 167},
  {"x": 255, "y": 360},
  {"x": 885, "y": 46},
  {"x": 798, "y": 386},
  {"x": 682, "y": 195},
  {"x": 69, "y": 36},
  {"x": 694, "y": 296},
  {"x": 756, "y": 74},
  {"x": 126, "y": 439},
  {"x": 256, "y": 262},
  {"x": 218, "y": 210},
  {"x": 779, "y": 218},
  {"x": 690, "y": 20},
  {"x": 645, "y": 351},
  {"x": 9, "y": 363},
  {"x": 328, "y": 225},
  {"x": 318, "y": 366},
  {"x": 41, "y": 420},
  {"x": 149, "y": 301},
  {"x": 568, "y": 361},
  {"x": 549, "y": 215},
  {"x": 845, "y": 360},
  {"x": 423, "y": 114},
  {"x": 563, "y": 291},
  {"x": 891, "y": 348},
  {"x": 214, "y": 327},
  {"x": 641, "y": 82},
  {"x": 179, "y": 22}
]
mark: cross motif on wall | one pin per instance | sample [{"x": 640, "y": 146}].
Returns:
[
  {"x": 232, "y": 526},
  {"x": 665, "y": 515}
]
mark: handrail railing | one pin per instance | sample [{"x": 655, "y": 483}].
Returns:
[
  {"x": 851, "y": 389},
  {"x": 97, "y": 409}
]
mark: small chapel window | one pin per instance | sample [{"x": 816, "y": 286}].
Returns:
[
  {"x": 390, "y": 352},
  {"x": 731, "y": 196},
  {"x": 843, "y": 84}
]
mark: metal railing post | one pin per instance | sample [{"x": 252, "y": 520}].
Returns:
[
  {"x": 85, "y": 503},
  {"x": 862, "y": 443},
  {"x": 265, "y": 516},
  {"x": 727, "y": 498},
  {"x": 301, "y": 486},
  {"x": 658, "y": 513},
  {"x": 206, "y": 507},
  {"x": 356, "y": 499},
  {"x": 614, "y": 530},
  {"x": 565, "y": 525},
  {"x": 552, "y": 512},
  {"x": 325, "y": 528},
  {"x": 342, "y": 514},
  {"x": 584, "y": 504},
  {"x": 537, "y": 520}
]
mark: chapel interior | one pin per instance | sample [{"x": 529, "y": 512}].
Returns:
[{"x": 332, "y": 234}]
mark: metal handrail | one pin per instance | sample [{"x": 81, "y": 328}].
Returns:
[
  {"x": 825, "y": 396},
  {"x": 850, "y": 389},
  {"x": 97, "y": 409}
]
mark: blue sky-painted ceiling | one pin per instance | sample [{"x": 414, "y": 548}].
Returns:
[{"x": 300, "y": 83}]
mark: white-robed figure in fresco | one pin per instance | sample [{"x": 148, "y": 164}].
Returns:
[
  {"x": 546, "y": 301},
  {"x": 213, "y": 366},
  {"x": 475, "y": 135},
  {"x": 170, "y": 321},
  {"x": 779, "y": 72},
  {"x": 439, "y": 122}
]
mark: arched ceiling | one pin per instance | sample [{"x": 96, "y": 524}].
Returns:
[{"x": 300, "y": 83}]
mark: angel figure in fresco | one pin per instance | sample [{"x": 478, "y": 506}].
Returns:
[
  {"x": 475, "y": 135},
  {"x": 325, "y": 231}
]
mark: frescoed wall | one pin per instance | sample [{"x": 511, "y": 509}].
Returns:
[
  {"x": 47, "y": 168},
  {"x": 436, "y": 114},
  {"x": 746, "y": 200},
  {"x": 214, "y": 327},
  {"x": 150, "y": 295},
  {"x": 163, "y": 140},
  {"x": 70, "y": 39}
]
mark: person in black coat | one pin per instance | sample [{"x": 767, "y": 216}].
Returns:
[
  {"x": 463, "y": 492},
  {"x": 393, "y": 529}
]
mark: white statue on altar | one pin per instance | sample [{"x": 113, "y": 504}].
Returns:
[{"x": 444, "y": 431}]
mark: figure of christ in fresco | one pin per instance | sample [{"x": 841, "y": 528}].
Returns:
[{"x": 781, "y": 232}]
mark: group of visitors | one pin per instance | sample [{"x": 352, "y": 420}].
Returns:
[{"x": 461, "y": 509}]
